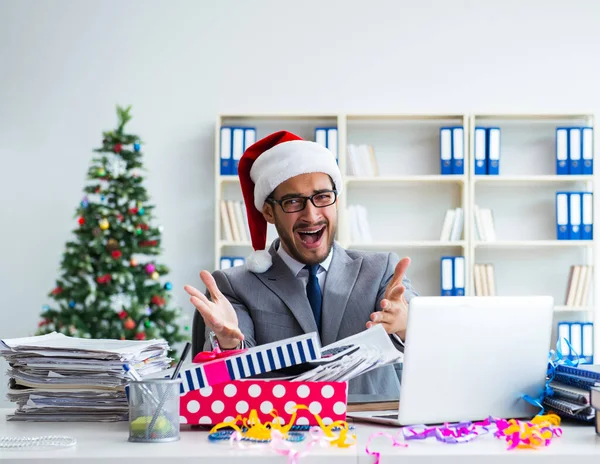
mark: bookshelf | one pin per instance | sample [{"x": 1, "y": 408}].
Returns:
[
  {"x": 407, "y": 197},
  {"x": 527, "y": 257}
]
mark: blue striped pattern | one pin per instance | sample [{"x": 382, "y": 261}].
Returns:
[{"x": 258, "y": 360}]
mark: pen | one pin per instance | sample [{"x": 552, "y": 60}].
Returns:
[
  {"x": 138, "y": 378},
  {"x": 184, "y": 354}
]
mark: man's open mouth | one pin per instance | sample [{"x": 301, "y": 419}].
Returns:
[{"x": 311, "y": 237}]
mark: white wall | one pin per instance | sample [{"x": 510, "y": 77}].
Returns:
[{"x": 64, "y": 64}]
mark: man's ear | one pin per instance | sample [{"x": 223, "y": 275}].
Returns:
[{"x": 268, "y": 213}]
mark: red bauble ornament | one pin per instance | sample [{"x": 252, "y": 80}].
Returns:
[
  {"x": 158, "y": 300},
  {"x": 145, "y": 243},
  {"x": 140, "y": 336},
  {"x": 120, "y": 217},
  {"x": 118, "y": 148},
  {"x": 144, "y": 226},
  {"x": 116, "y": 254},
  {"x": 81, "y": 220},
  {"x": 129, "y": 324},
  {"x": 133, "y": 210},
  {"x": 122, "y": 315},
  {"x": 103, "y": 279},
  {"x": 57, "y": 291}
]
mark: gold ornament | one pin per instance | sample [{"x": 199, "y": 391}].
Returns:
[
  {"x": 104, "y": 224},
  {"x": 155, "y": 275},
  {"x": 112, "y": 244},
  {"x": 133, "y": 262}
]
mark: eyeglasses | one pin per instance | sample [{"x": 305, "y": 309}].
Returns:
[{"x": 294, "y": 204}]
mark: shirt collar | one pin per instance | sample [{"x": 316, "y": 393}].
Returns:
[{"x": 297, "y": 266}]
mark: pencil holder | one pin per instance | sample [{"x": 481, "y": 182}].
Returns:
[{"x": 154, "y": 410}]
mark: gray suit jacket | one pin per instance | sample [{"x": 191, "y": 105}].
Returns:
[{"x": 273, "y": 305}]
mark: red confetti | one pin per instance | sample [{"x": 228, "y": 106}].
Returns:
[{"x": 116, "y": 254}]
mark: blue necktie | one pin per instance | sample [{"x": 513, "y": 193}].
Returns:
[{"x": 313, "y": 291}]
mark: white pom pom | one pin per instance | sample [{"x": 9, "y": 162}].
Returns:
[{"x": 259, "y": 261}]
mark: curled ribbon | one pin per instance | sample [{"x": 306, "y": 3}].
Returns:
[
  {"x": 377, "y": 454},
  {"x": 253, "y": 430},
  {"x": 537, "y": 432},
  {"x": 555, "y": 359}
]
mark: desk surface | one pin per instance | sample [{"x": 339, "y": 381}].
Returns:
[{"x": 104, "y": 442}]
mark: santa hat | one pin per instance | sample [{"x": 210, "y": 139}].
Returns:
[{"x": 266, "y": 164}]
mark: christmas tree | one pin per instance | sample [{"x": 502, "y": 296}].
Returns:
[{"x": 110, "y": 283}]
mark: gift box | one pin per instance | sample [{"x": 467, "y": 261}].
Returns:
[
  {"x": 225, "y": 401},
  {"x": 253, "y": 361}
]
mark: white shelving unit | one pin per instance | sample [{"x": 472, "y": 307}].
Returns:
[
  {"x": 527, "y": 257},
  {"x": 407, "y": 200}
]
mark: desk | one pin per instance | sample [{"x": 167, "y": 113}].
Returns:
[{"x": 100, "y": 443}]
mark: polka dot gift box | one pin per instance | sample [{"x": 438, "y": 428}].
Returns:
[{"x": 225, "y": 401}]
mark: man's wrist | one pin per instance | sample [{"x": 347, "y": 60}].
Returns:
[{"x": 219, "y": 345}]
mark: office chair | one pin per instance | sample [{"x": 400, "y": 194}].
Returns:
[{"x": 198, "y": 333}]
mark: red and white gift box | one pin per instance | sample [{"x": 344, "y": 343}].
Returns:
[{"x": 225, "y": 401}]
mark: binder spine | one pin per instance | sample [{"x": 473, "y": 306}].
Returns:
[
  {"x": 562, "y": 151},
  {"x": 562, "y": 216},
  {"x": 458, "y": 151},
  {"x": 587, "y": 151},
  {"x": 480, "y": 151},
  {"x": 446, "y": 150},
  {"x": 493, "y": 166}
]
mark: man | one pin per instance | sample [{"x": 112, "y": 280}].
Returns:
[{"x": 305, "y": 282}]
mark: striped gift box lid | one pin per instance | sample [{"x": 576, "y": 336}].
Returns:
[{"x": 256, "y": 360}]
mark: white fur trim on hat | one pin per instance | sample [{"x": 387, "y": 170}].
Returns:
[
  {"x": 290, "y": 159},
  {"x": 259, "y": 261}
]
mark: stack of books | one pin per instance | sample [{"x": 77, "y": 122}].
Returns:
[
  {"x": 572, "y": 386},
  {"x": 54, "y": 377}
]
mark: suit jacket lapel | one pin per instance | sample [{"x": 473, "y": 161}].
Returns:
[
  {"x": 286, "y": 286},
  {"x": 341, "y": 276}
]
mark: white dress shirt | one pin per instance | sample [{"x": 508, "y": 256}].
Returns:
[{"x": 299, "y": 272}]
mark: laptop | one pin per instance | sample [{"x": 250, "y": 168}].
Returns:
[{"x": 469, "y": 358}]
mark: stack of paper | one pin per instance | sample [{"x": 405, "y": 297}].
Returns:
[
  {"x": 343, "y": 360},
  {"x": 352, "y": 356},
  {"x": 58, "y": 378}
]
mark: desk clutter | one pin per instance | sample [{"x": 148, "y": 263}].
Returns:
[{"x": 56, "y": 378}]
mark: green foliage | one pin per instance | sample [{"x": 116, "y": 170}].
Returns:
[{"x": 111, "y": 284}]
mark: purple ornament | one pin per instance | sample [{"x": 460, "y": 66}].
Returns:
[{"x": 150, "y": 268}]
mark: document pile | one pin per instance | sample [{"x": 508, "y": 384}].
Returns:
[{"x": 54, "y": 377}]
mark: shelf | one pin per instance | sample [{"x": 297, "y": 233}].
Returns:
[
  {"x": 408, "y": 244},
  {"x": 529, "y": 117},
  {"x": 404, "y": 179},
  {"x": 229, "y": 179},
  {"x": 573, "y": 308},
  {"x": 531, "y": 179},
  {"x": 401, "y": 117},
  {"x": 534, "y": 243},
  {"x": 224, "y": 243}
]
